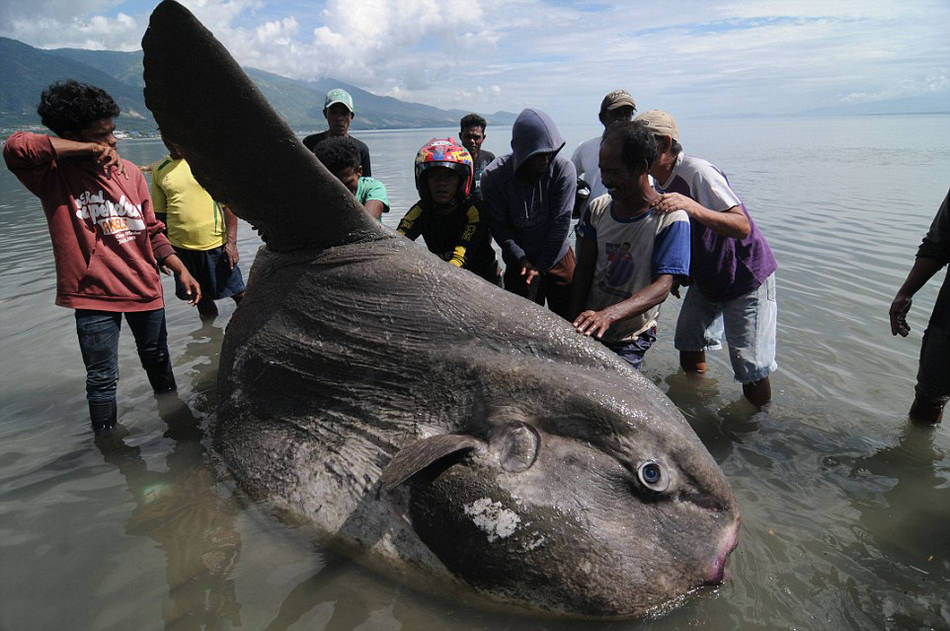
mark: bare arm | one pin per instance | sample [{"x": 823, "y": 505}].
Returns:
[
  {"x": 923, "y": 270},
  {"x": 731, "y": 222},
  {"x": 192, "y": 288},
  {"x": 230, "y": 244},
  {"x": 597, "y": 322},
  {"x": 375, "y": 208}
]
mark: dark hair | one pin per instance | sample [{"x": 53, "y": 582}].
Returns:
[
  {"x": 472, "y": 120},
  {"x": 637, "y": 143},
  {"x": 337, "y": 153},
  {"x": 70, "y": 106}
]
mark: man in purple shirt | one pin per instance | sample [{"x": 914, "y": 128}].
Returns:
[{"x": 732, "y": 271}]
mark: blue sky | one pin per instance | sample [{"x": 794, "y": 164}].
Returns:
[{"x": 692, "y": 58}]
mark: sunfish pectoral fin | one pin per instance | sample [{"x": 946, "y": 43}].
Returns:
[
  {"x": 422, "y": 453},
  {"x": 239, "y": 149}
]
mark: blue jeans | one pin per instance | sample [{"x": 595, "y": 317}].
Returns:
[
  {"x": 98, "y": 333},
  {"x": 633, "y": 350},
  {"x": 748, "y": 322}
]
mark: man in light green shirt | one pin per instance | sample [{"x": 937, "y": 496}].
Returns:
[{"x": 341, "y": 157}]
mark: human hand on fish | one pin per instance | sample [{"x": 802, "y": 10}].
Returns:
[{"x": 595, "y": 322}]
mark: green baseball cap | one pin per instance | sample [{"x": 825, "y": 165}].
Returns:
[{"x": 338, "y": 95}]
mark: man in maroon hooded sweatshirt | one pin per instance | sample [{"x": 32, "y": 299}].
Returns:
[{"x": 106, "y": 241}]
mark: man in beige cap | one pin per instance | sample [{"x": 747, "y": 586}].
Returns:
[
  {"x": 732, "y": 269},
  {"x": 616, "y": 105}
]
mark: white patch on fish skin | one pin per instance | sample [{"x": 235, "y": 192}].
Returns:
[
  {"x": 492, "y": 519},
  {"x": 586, "y": 567},
  {"x": 534, "y": 545}
]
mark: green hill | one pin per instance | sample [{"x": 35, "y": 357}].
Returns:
[{"x": 25, "y": 71}]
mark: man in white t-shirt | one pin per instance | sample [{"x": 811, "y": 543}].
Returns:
[
  {"x": 629, "y": 255},
  {"x": 617, "y": 105}
]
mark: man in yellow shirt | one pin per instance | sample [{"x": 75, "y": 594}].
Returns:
[{"x": 202, "y": 231}]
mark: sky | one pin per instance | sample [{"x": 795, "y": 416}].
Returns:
[{"x": 707, "y": 57}]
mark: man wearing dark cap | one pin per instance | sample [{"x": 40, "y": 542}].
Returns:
[
  {"x": 732, "y": 268},
  {"x": 339, "y": 112},
  {"x": 616, "y": 105}
]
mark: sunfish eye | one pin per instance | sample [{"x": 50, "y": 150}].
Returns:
[{"x": 652, "y": 476}]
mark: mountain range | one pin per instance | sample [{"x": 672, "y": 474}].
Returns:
[{"x": 25, "y": 71}]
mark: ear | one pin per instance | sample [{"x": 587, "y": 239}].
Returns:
[
  {"x": 667, "y": 143},
  {"x": 359, "y": 171},
  {"x": 422, "y": 453}
]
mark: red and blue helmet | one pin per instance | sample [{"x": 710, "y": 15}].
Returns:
[{"x": 445, "y": 152}]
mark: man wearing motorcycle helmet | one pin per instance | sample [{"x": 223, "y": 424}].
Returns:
[{"x": 445, "y": 217}]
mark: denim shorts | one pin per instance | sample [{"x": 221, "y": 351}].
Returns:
[
  {"x": 633, "y": 350},
  {"x": 210, "y": 268},
  {"x": 747, "y": 321}
]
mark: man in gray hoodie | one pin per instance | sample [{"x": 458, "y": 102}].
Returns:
[{"x": 529, "y": 196}]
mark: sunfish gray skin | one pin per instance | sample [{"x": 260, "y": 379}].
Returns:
[{"x": 434, "y": 426}]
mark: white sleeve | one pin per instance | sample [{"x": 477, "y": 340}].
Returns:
[{"x": 711, "y": 189}]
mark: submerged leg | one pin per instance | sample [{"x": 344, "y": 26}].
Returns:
[
  {"x": 758, "y": 392},
  {"x": 151, "y": 340},
  {"x": 933, "y": 372},
  {"x": 927, "y": 411},
  {"x": 98, "y": 333},
  {"x": 693, "y": 361},
  {"x": 207, "y": 310}
]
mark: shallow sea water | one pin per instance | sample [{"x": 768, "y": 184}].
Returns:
[{"x": 845, "y": 505}]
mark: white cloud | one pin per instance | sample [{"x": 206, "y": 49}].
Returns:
[
  {"x": 700, "y": 56},
  {"x": 277, "y": 33},
  {"x": 66, "y": 23}
]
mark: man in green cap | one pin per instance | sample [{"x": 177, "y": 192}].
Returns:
[{"x": 339, "y": 112}]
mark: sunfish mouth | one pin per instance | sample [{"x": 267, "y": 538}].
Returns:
[{"x": 716, "y": 573}]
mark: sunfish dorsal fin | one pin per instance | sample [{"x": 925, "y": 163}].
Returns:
[{"x": 239, "y": 149}]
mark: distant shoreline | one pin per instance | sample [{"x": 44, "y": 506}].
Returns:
[{"x": 134, "y": 134}]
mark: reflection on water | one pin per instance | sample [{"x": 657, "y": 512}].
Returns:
[
  {"x": 906, "y": 524},
  {"x": 845, "y": 505},
  {"x": 179, "y": 509}
]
